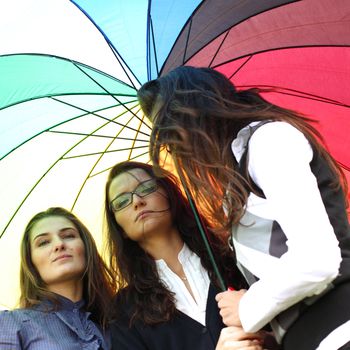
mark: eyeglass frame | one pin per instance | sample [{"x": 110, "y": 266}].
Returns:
[{"x": 131, "y": 194}]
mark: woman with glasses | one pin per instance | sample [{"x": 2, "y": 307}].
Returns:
[{"x": 167, "y": 285}]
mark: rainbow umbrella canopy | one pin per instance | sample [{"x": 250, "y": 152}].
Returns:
[{"x": 69, "y": 72}]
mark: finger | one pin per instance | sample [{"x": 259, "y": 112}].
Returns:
[
  {"x": 229, "y": 322},
  {"x": 241, "y": 345},
  {"x": 230, "y": 333},
  {"x": 250, "y": 336},
  {"x": 219, "y": 296},
  {"x": 225, "y": 302},
  {"x": 237, "y": 333},
  {"x": 226, "y": 313}
]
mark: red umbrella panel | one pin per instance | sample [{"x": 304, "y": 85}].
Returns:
[{"x": 298, "y": 49}]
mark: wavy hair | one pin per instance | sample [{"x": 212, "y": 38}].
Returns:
[
  {"x": 135, "y": 270},
  {"x": 98, "y": 285},
  {"x": 196, "y": 114}
]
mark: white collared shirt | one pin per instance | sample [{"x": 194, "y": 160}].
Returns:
[{"x": 198, "y": 280}]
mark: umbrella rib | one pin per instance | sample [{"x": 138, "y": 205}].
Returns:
[
  {"x": 61, "y": 123},
  {"x": 101, "y": 155},
  {"x": 241, "y": 66},
  {"x": 114, "y": 50},
  {"x": 107, "y": 169},
  {"x": 119, "y": 58},
  {"x": 94, "y": 135},
  {"x": 105, "y": 118},
  {"x": 218, "y": 49},
  {"x": 88, "y": 176},
  {"x": 148, "y": 45},
  {"x": 102, "y": 87},
  {"x": 180, "y": 34},
  {"x": 186, "y": 45},
  {"x": 61, "y": 94},
  {"x": 104, "y": 152},
  {"x": 137, "y": 132},
  {"x": 154, "y": 46},
  {"x": 47, "y": 171},
  {"x": 56, "y": 95},
  {"x": 31, "y": 190},
  {"x": 296, "y": 93},
  {"x": 271, "y": 50},
  {"x": 346, "y": 167},
  {"x": 212, "y": 39}
]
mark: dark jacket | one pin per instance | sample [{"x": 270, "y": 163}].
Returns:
[{"x": 182, "y": 332}]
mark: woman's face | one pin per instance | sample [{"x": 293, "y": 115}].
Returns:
[
  {"x": 57, "y": 251},
  {"x": 143, "y": 214}
]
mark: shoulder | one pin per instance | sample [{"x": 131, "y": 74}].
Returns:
[
  {"x": 11, "y": 321},
  {"x": 123, "y": 303},
  {"x": 18, "y": 316},
  {"x": 19, "y": 327},
  {"x": 123, "y": 297},
  {"x": 10, "y": 330},
  {"x": 11, "y": 315},
  {"x": 277, "y": 130},
  {"x": 264, "y": 137},
  {"x": 279, "y": 140},
  {"x": 6, "y": 315}
]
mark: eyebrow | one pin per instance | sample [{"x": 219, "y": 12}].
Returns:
[
  {"x": 39, "y": 235},
  {"x": 139, "y": 182},
  {"x": 61, "y": 231}
]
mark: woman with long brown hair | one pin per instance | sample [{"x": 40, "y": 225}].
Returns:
[
  {"x": 166, "y": 282},
  {"x": 263, "y": 172},
  {"x": 66, "y": 288}
]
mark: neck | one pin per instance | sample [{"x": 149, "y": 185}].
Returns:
[
  {"x": 165, "y": 246},
  {"x": 72, "y": 290}
]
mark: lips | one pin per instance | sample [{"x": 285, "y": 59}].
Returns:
[
  {"x": 62, "y": 257},
  {"x": 142, "y": 213}
]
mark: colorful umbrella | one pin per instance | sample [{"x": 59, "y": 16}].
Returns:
[
  {"x": 70, "y": 70},
  {"x": 68, "y": 112}
]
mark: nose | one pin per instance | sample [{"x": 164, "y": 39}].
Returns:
[
  {"x": 59, "y": 245},
  {"x": 137, "y": 201}
]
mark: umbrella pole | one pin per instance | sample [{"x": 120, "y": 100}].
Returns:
[{"x": 203, "y": 232}]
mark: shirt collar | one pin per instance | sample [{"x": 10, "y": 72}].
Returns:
[
  {"x": 64, "y": 304},
  {"x": 67, "y": 304},
  {"x": 239, "y": 143},
  {"x": 184, "y": 254}
]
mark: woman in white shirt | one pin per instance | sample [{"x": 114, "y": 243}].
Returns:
[{"x": 166, "y": 281}]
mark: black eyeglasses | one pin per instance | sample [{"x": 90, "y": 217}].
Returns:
[{"x": 143, "y": 189}]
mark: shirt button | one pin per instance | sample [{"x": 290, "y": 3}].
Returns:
[{"x": 204, "y": 330}]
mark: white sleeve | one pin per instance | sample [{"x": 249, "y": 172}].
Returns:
[{"x": 279, "y": 163}]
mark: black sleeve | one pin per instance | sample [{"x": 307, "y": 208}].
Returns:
[{"x": 125, "y": 337}]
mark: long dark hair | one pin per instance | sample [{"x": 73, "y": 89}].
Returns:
[
  {"x": 135, "y": 270},
  {"x": 196, "y": 114},
  {"x": 98, "y": 285}
]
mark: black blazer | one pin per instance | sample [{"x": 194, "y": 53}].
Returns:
[{"x": 181, "y": 333}]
